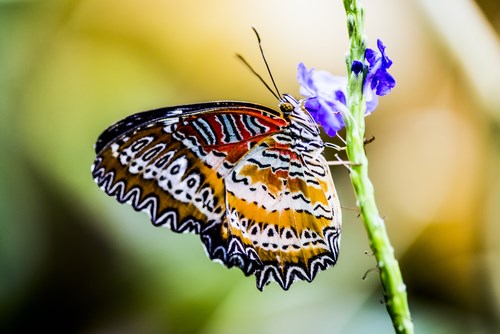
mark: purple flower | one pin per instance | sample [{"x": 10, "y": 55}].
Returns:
[
  {"x": 379, "y": 79},
  {"x": 357, "y": 67},
  {"x": 326, "y": 94}
]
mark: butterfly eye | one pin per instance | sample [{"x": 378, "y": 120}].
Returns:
[{"x": 286, "y": 107}]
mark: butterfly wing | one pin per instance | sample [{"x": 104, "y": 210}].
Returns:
[
  {"x": 172, "y": 162},
  {"x": 228, "y": 172},
  {"x": 283, "y": 207}
]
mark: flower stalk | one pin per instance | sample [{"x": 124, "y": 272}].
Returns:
[{"x": 390, "y": 273}]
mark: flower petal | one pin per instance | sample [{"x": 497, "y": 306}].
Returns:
[{"x": 377, "y": 78}]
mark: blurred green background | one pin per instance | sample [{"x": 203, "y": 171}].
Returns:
[{"x": 73, "y": 260}]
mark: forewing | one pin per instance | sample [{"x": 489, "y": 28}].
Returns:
[{"x": 171, "y": 163}]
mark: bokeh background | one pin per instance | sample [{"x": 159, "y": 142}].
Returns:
[{"x": 73, "y": 260}]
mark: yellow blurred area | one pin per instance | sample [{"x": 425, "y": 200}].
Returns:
[{"x": 73, "y": 260}]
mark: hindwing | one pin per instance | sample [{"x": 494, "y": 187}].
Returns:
[{"x": 285, "y": 210}]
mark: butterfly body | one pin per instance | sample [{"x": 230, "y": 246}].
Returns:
[{"x": 251, "y": 181}]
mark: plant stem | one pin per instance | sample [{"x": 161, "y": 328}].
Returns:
[{"x": 390, "y": 274}]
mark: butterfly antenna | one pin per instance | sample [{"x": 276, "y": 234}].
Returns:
[
  {"x": 257, "y": 75},
  {"x": 265, "y": 60},
  {"x": 275, "y": 92}
]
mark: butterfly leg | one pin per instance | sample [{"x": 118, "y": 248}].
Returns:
[
  {"x": 344, "y": 163},
  {"x": 369, "y": 140}
]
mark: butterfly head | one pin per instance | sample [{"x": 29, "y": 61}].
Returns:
[
  {"x": 288, "y": 104},
  {"x": 286, "y": 107}
]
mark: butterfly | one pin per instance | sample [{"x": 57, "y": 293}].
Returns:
[{"x": 251, "y": 181}]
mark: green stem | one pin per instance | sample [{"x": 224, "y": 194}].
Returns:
[{"x": 390, "y": 274}]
